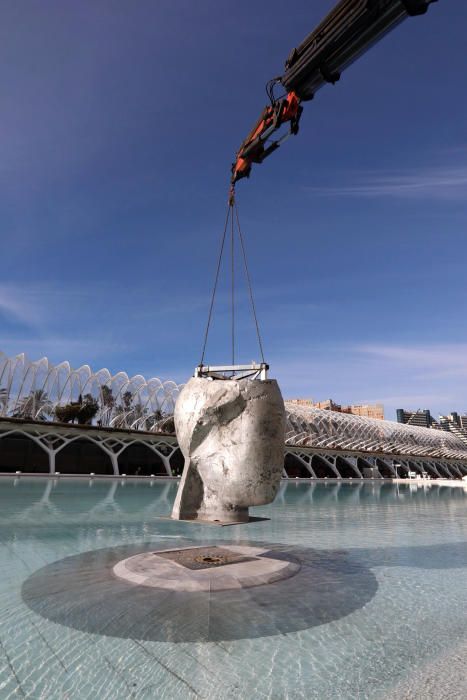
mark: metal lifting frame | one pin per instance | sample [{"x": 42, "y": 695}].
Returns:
[{"x": 251, "y": 371}]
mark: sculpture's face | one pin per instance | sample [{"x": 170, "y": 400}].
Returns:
[{"x": 232, "y": 434}]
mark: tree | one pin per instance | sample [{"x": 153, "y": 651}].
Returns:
[
  {"x": 165, "y": 425},
  {"x": 127, "y": 400},
  {"x": 108, "y": 404},
  {"x": 3, "y": 401},
  {"x": 108, "y": 399},
  {"x": 124, "y": 411},
  {"x": 82, "y": 410},
  {"x": 90, "y": 407},
  {"x": 36, "y": 406}
]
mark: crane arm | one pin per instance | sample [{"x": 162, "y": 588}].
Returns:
[{"x": 349, "y": 30}]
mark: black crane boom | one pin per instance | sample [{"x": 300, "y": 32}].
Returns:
[{"x": 349, "y": 30}]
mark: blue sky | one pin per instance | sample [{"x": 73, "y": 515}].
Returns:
[{"x": 118, "y": 124}]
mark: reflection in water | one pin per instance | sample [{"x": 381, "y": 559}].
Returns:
[{"x": 82, "y": 499}]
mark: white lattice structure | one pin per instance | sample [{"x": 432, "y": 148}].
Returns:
[
  {"x": 135, "y": 413},
  {"x": 33, "y": 389},
  {"x": 314, "y": 427},
  {"x": 52, "y": 439}
]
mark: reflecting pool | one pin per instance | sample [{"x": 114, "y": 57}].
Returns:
[{"x": 377, "y": 610}]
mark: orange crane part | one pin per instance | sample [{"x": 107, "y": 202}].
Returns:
[{"x": 254, "y": 148}]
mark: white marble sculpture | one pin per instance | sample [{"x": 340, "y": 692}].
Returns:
[{"x": 231, "y": 433}]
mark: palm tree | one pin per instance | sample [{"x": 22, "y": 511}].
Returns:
[
  {"x": 108, "y": 404},
  {"x": 3, "y": 401},
  {"x": 36, "y": 405}
]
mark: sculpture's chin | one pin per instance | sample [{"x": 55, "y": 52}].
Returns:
[{"x": 231, "y": 434}]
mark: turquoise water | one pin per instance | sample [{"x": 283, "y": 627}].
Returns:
[{"x": 382, "y": 594}]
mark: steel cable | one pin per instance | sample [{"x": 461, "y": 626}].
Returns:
[
  {"x": 250, "y": 288},
  {"x": 213, "y": 296},
  {"x": 230, "y": 209},
  {"x": 232, "y": 251}
]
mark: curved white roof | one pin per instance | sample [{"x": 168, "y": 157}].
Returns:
[
  {"x": 315, "y": 427},
  {"x": 33, "y": 389}
]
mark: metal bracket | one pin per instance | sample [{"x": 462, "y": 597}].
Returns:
[{"x": 253, "y": 371}]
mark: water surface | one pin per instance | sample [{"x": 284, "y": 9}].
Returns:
[{"x": 381, "y": 597}]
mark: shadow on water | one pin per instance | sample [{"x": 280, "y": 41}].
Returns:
[
  {"x": 81, "y": 591},
  {"x": 450, "y": 555}
]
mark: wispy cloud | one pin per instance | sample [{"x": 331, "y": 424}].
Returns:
[
  {"x": 436, "y": 182},
  {"x": 59, "y": 346},
  {"x": 397, "y": 375},
  {"x": 432, "y": 361},
  {"x": 18, "y": 305}
]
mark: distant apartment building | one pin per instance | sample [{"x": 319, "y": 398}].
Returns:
[
  {"x": 368, "y": 410},
  {"x": 456, "y": 419},
  {"x": 421, "y": 417},
  {"x": 375, "y": 410},
  {"x": 455, "y": 423},
  {"x": 328, "y": 405}
]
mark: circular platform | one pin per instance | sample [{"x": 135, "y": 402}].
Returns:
[
  {"x": 83, "y": 592},
  {"x": 206, "y": 568}
]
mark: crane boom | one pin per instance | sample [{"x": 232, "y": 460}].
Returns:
[{"x": 349, "y": 30}]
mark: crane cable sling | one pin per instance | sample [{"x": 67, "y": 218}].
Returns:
[
  {"x": 250, "y": 287},
  {"x": 213, "y": 295},
  {"x": 232, "y": 273},
  {"x": 230, "y": 215}
]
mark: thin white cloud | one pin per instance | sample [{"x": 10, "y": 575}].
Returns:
[
  {"x": 436, "y": 182},
  {"x": 397, "y": 375},
  {"x": 17, "y": 305},
  {"x": 425, "y": 363}
]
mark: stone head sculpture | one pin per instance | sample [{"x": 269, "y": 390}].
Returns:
[{"x": 231, "y": 434}]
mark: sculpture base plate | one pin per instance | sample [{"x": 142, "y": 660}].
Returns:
[
  {"x": 206, "y": 569},
  {"x": 218, "y": 523}
]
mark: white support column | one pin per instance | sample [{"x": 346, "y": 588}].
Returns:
[
  {"x": 387, "y": 464},
  {"x": 443, "y": 470},
  {"x": 435, "y": 468},
  {"x": 114, "y": 460},
  {"x": 306, "y": 464},
  {"x": 166, "y": 462},
  {"x": 454, "y": 470},
  {"x": 331, "y": 462},
  {"x": 51, "y": 461},
  {"x": 352, "y": 462}
]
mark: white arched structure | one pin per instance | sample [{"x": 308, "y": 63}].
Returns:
[
  {"x": 112, "y": 443},
  {"x": 135, "y": 410},
  {"x": 314, "y": 427},
  {"x": 33, "y": 389}
]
